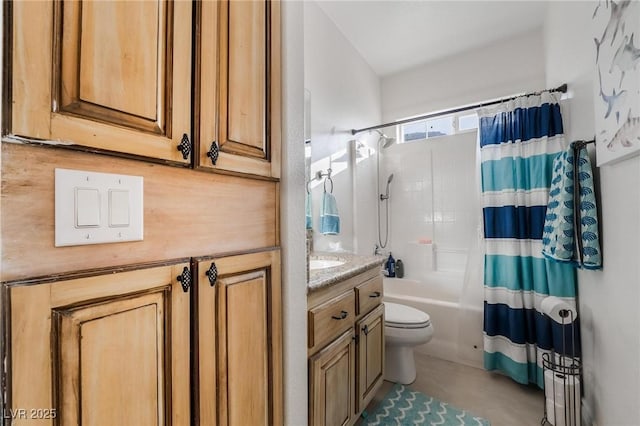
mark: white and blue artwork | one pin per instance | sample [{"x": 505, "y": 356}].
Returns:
[{"x": 617, "y": 85}]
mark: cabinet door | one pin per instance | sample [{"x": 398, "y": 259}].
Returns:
[
  {"x": 370, "y": 330},
  {"x": 332, "y": 383},
  {"x": 111, "y": 75},
  {"x": 240, "y": 340},
  {"x": 104, "y": 350},
  {"x": 238, "y": 96}
]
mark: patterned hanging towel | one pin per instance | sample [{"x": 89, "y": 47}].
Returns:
[{"x": 571, "y": 208}]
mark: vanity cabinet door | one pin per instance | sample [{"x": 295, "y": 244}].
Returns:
[
  {"x": 332, "y": 383},
  {"x": 112, "y": 75},
  {"x": 238, "y": 84},
  {"x": 104, "y": 350},
  {"x": 370, "y": 330},
  {"x": 240, "y": 340}
]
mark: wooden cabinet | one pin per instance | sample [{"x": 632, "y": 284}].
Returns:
[
  {"x": 109, "y": 75},
  {"x": 107, "y": 349},
  {"x": 370, "y": 331},
  {"x": 132, "y": 346},
  {"x": 126, "y": 348},
  {"x": 332, "y": 383},
  {"x": 239, "y": 340},
  {"x": 346, "y": 348},
  {"x": 238, "y": 86},
  {"x": 117, "y": 76}
]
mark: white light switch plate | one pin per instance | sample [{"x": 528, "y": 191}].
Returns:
[{"x": 119, "y": 208}]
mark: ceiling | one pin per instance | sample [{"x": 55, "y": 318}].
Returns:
[{"x": 396, "y": 35}]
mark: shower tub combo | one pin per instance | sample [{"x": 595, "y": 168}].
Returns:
[{"x": 456, "y": 316}]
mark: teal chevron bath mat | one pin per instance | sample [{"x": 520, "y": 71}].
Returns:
[{"x": 403, "y": 407}]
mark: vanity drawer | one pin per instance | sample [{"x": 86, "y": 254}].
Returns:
[
  {"x": 368, "y": 295},
  {"x": 330, "y": 318}
]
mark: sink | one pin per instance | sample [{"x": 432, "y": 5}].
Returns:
[{"x": 324, "y": 263}]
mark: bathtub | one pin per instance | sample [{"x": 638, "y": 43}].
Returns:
[{"x": 457, "y": 321}]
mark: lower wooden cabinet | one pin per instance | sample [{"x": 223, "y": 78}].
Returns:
[
  {"x": 332, "y": 383},
  {"x": 370, "y": 330},
  {"x": 190, "y": 342},
  {"x": 104, "y": 350},
  {"x": 346, "y": 350},
  {"x": 240, "y": 340}
]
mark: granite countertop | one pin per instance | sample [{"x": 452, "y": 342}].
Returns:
[{"x": 353, "y": 265}]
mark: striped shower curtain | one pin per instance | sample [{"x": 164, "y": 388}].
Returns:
[{"x": 518, "y": 142}]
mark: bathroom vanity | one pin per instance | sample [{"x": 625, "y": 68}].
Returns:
[{"x": 345, "y": 336}]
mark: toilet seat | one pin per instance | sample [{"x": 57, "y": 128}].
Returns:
[{"x": 402, "y": 316}]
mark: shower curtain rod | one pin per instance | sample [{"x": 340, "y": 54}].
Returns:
[{"x": 562, "y": 89}]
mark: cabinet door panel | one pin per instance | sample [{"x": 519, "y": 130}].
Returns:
[
  {"x": 101, "y": 355},
  {"x": 246, "y": 77},
  {"x": 248, "y": 89},
  {"x": 370, "y": 355},
  {"x": 240, "y": 341},
  {"x": 111, "y": 73},
  {"x": 94, "y": 352},
  {"x": 332, "y": 383},
  {"x": 116, "y": 76}
]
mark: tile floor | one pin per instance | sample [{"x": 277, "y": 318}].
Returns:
[{"x": 489, "y": 395}]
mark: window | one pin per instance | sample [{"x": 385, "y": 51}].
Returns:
[
  {"x": 414, "y": 131},
  {"x": 467, "y": 122},
  {"x": 438, "y": 126}
]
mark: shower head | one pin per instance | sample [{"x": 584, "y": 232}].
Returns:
[
  {"x": 385, "y": 140},
  {"x": 385, "y": 196}
]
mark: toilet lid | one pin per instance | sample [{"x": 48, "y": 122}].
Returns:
[{"x": 403, "y": 316}]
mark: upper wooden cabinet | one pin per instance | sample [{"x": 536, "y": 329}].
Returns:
[
  {"x": 117, "y": 76},
  {"x": 110, "y": 75},
  {"x": 111, "y": 349},
  {"x": 238, "y": 100}
]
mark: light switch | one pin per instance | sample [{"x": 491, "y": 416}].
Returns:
[
  {"x": 97, "y": 208},
  {"x": 118, "y": 208},
  {"x": 87, "y": 208}
]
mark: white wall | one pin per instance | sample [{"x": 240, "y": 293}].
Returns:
[
  {"x": 292, "y": 218},
  {"x": 610, "y": 318},
  {"x": 504, "y": 68},
  {"x": 345, "y": 94},
  {"x": 434, "y": 196}
]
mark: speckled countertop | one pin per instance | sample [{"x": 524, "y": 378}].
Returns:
[{"x": 353, "y": 265}]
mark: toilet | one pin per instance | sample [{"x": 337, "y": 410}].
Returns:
[{"x": 404, "y": 328}]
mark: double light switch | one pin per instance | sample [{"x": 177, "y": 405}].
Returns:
[{"x": 94, "y": 208}]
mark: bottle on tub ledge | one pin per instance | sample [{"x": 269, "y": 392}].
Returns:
[
  {"x": 390, "y": 266},
  {"x": 399, "y": 269}
]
